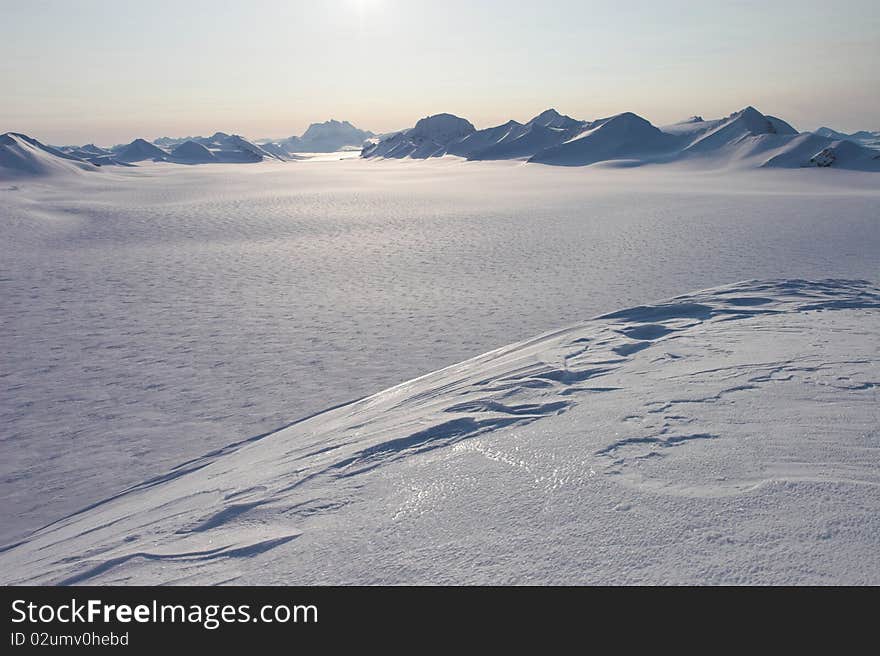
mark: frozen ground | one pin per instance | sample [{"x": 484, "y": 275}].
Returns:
[
  {"x": 728, "y": 436},
  {"x": 151, "y": 316}
]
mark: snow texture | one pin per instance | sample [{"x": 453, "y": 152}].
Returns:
[
  {"x": 153, "y": 315},
  {"x": 725, "y": 436}
]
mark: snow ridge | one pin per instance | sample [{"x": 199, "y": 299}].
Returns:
[{"x": 213, "y": 515}]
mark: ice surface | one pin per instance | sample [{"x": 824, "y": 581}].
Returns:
[
  {"x": 151, "y": 316},
  {"x": 726, "y": 436},
  {"x": 192, "y": 151}
]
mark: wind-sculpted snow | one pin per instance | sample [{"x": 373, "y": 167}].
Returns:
[
  {"x": 725, "y": 436},
  {"x": 154, "y": 314}
]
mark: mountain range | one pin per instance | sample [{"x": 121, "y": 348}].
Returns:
[
  {"x": 863, "y": 137},
  {"x": 745, "y": 138}
]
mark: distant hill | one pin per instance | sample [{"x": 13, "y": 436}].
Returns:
[
  {"x": 219, "y": 147},
  {"x": 140, "y": 150},
  {"x": 430, "y": 137},
  {"x": 23, "y": 156},
  {"x": 327, "y": 137}
]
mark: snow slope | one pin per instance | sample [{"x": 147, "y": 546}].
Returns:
[
  {"x": 744, "y": 123},
  {"x": 725, "y": 436},
  {"x": 20, "y": 155},
  {"x": 818, "y": 151},
  {"x": 156, "y": 313}
]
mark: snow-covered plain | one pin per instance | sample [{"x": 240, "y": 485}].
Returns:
[{"x": 152, "y": 316}]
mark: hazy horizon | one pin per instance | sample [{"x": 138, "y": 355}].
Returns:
[{"x": 109, "y": 72}]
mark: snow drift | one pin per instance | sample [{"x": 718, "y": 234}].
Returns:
[{"x": 725, "y": 436}]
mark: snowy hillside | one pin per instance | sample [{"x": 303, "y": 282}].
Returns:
[
  {"x": 725, "y": 436},
  {"x": 20, "y": 155},
  {"x": 745, "y": 139}
]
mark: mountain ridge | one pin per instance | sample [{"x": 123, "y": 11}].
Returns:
[{"x": 745, "y": 138}]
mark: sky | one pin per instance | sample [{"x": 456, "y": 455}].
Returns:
[{"x": 107, "y": 71}]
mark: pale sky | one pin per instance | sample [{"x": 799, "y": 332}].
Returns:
[{"x": 107, "y": 71}]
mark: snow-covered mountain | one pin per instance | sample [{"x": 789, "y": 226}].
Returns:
[
  {"x": 94, "y": 154},
  {"x": 21, "y": 155},
  {"x": 625, "y": 136},
  {"x": 192, "y": 152},
  {"x": 546, "y": 130},
  {"x": 219, "y": 147},
  {"x": 724, "y": 436},
  {"x": 746, "y": 138},
  {"x": 430, "y": 137},
  {"x": 862, "y": 137},
  {"x": 550, "y": 118},
  {"x": 277, "y": 150},
  {"x": 327, "y": 137},
  {"x": 139, "y": 150}
]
